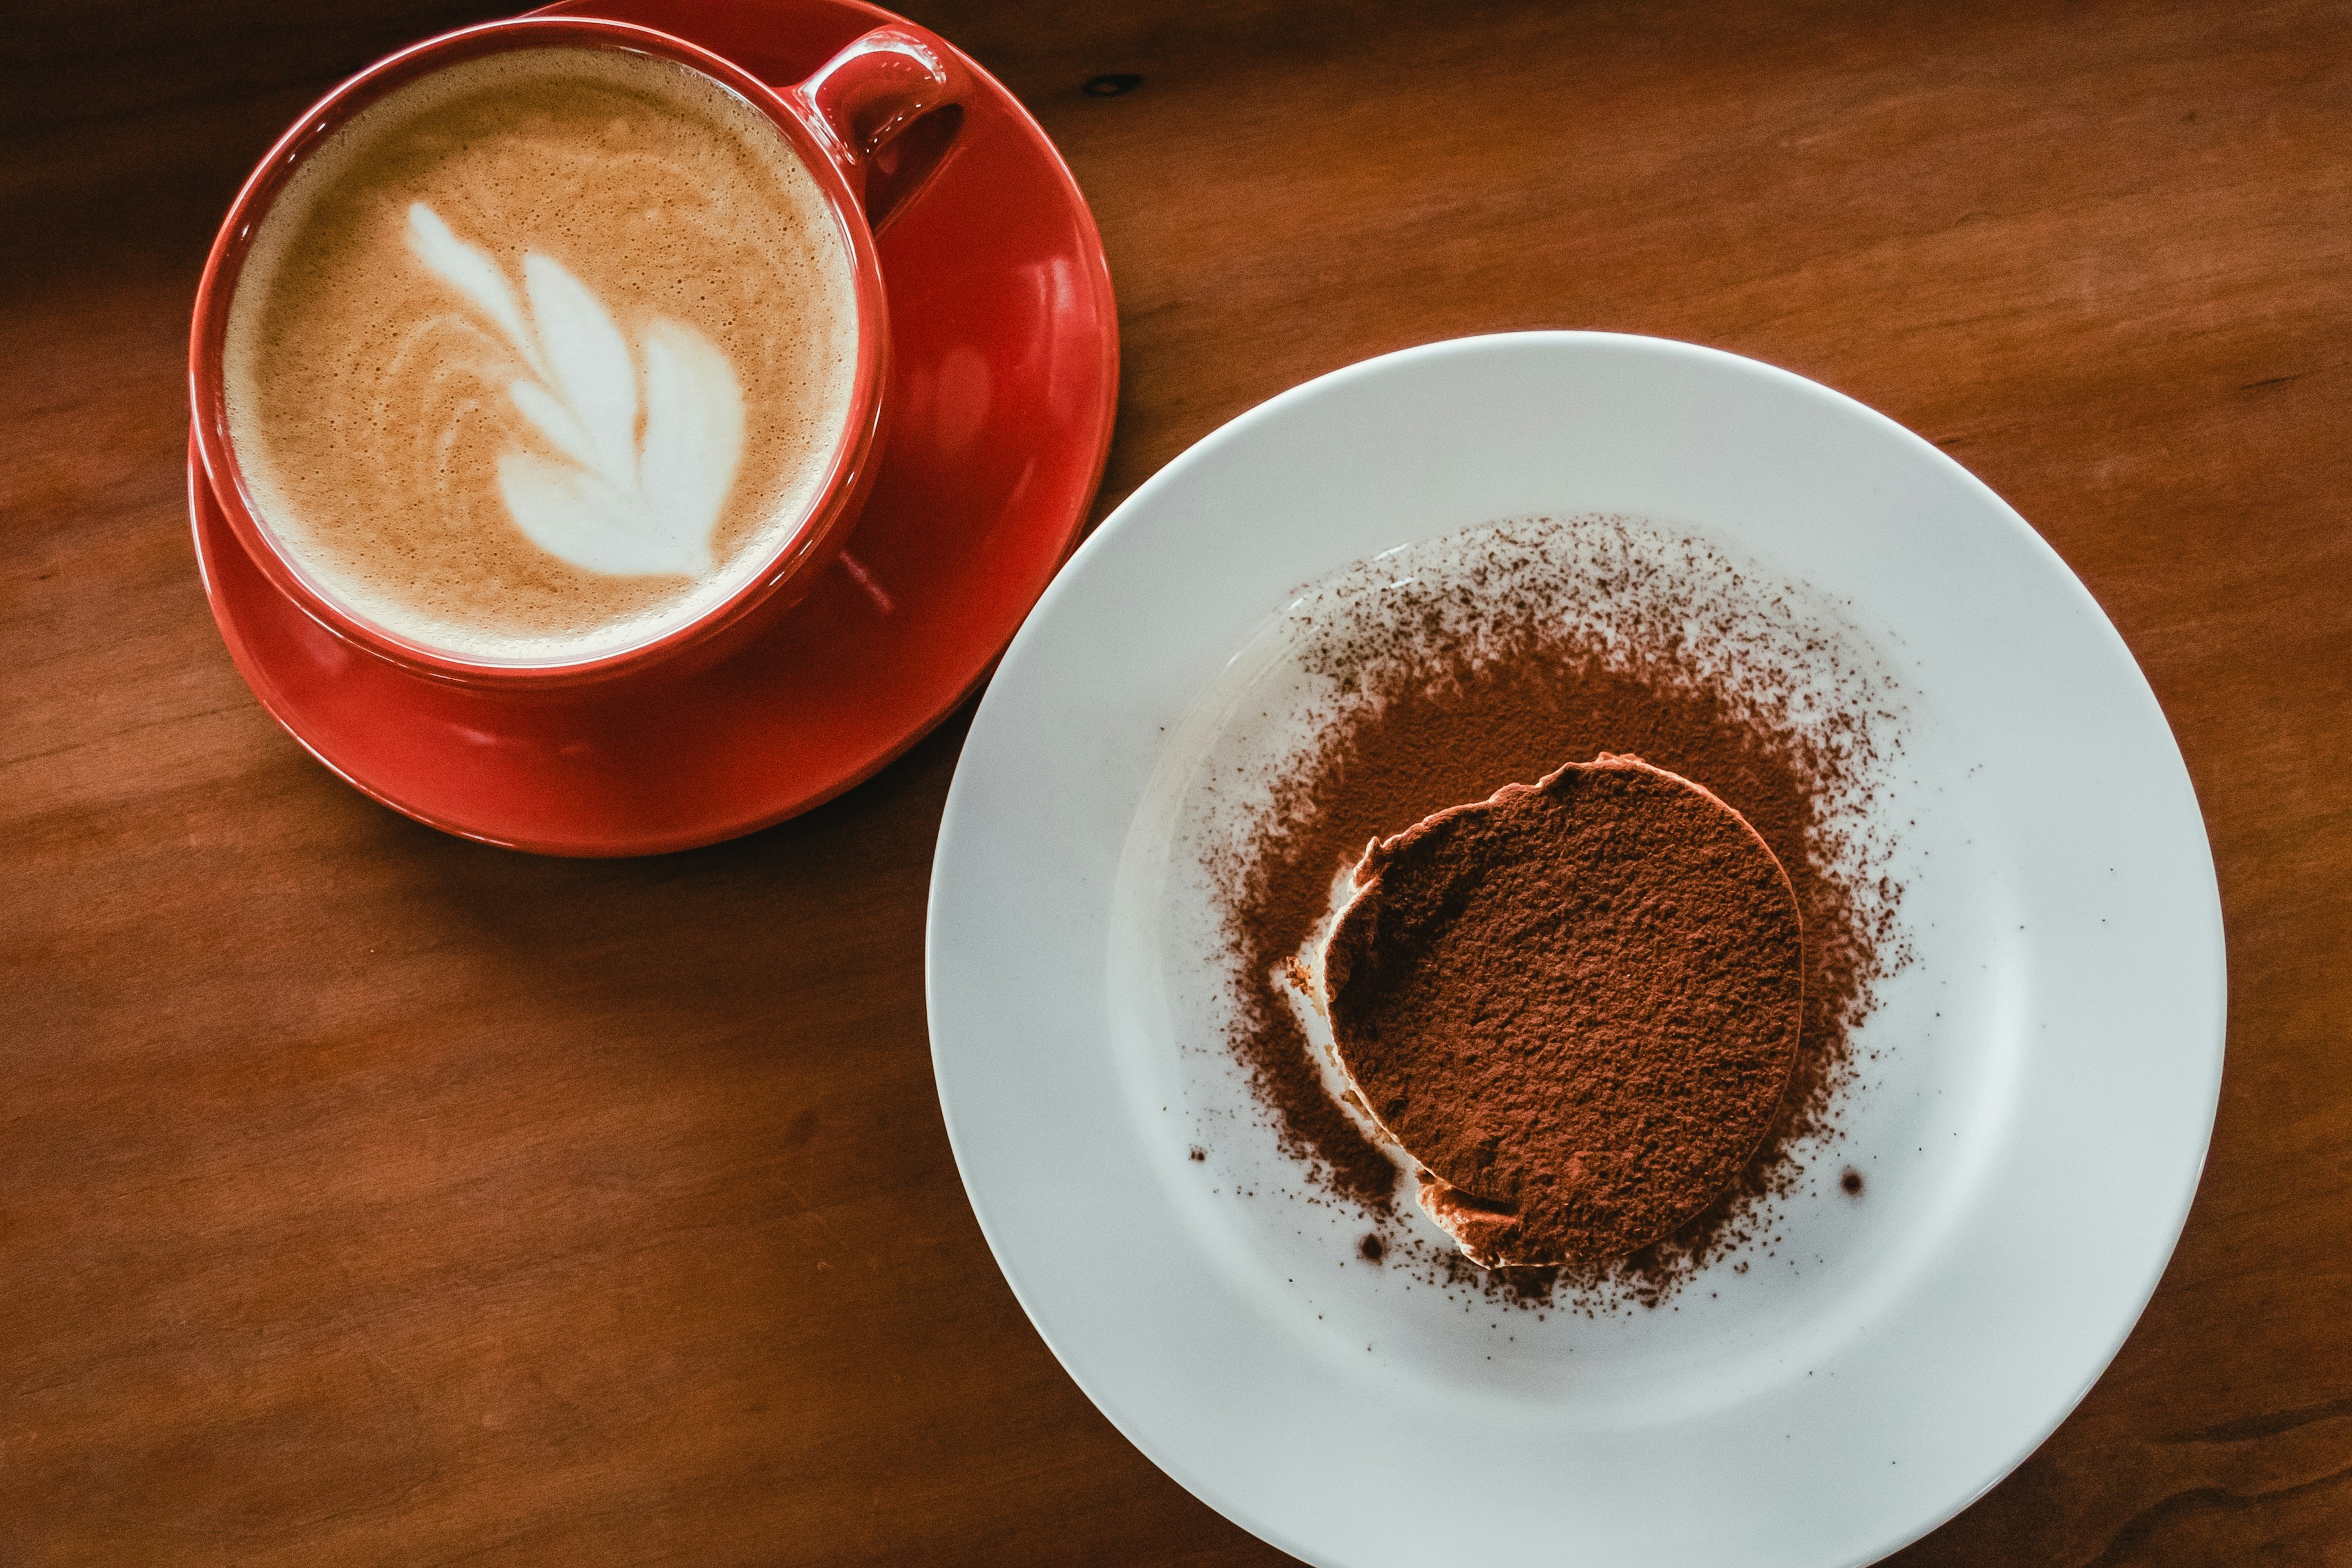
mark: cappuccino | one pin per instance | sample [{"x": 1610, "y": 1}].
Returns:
[{"x": 543, "y": 354}]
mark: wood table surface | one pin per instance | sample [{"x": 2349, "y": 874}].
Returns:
[{"x": 367, "y": 1196}]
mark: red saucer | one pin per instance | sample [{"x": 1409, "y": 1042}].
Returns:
[{"x": 1005, "y": 381}]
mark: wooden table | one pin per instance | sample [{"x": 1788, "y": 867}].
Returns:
[{"x": 371, "y": 1197}]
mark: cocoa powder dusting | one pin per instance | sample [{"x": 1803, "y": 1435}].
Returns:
[
  {"x": 1573, "y": 1005},
  {"x": 1449, "y": 685}
]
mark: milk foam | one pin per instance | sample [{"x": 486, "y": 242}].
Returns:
[{"x": 542, "y": 355}]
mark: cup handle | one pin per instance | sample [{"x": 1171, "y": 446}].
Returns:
[{"x": 886, "y": 109}]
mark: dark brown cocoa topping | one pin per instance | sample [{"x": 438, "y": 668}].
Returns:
[
  {"x": 1575, "y": 1004},
  {"x": 1458, "y": 682}
]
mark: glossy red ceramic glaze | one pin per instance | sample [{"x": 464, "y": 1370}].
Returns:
[{"x": 1002, "y": 384}]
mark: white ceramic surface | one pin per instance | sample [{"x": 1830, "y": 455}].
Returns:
[{"x": 2033, "y": 1121}]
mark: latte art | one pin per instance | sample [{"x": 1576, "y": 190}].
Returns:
[
  {"x": 622, "y": 506},
  {"x": 543, "y": 354}
]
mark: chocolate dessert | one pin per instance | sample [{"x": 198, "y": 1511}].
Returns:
[{"x": 1575, "y": 1005}]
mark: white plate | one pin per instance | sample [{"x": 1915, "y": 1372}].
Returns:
[{"x": 2033, "y": 1123}]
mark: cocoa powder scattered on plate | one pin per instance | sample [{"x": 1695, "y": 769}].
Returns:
[{"x": 1450, "y": 685}]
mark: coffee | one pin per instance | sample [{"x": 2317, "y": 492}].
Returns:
[{"x": 542, "y": 354}]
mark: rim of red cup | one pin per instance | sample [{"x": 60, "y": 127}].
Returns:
[{"x": 853, "y": 455}]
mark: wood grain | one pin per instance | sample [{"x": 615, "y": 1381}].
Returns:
[{"x": 371, "y": 1197}]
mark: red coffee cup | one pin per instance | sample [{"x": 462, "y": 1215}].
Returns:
[{"x": 849, "y": 123}]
